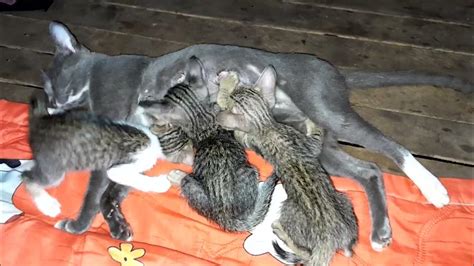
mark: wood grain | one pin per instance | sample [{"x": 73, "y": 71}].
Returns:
[
  {"x": 459, "y": 12},
  {"x": 272, "y": 14}
]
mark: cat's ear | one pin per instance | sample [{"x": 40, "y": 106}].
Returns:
[
  {"x": 161, "y": 112},
  {"x": 266, "y": 84},
  {"x": 195, "y": 74},
  {"x": 232, "y": 121},
  {"x": 64, "y": 40}
]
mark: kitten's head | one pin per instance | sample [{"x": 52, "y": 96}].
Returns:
[
  {"x": 185, "y": 104},
  {"x": 62, "y": 88},
  {"x": 249, "y": 109}
]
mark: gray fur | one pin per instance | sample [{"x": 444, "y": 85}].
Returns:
[
  {"x": 223, "y": 186},
  {"x": 315, "y": 220},
  {"x": 308, "y": 88}
]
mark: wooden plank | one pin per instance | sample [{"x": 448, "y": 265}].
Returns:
[
  {"x": 459, "y": 12},
  {"x": 438, "y": 168},
  {"x": 317, "y": 20},
  {"x": 22, "y": 66},
  {"x": 428, "y": 101},
  {"x": 443, "y": 139},
  {"x": 342, "y": 52},
  {"x": 17, "y": 93},
  {"x": 33, "y": 34}
]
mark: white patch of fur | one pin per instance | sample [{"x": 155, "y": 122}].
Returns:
[
  {"x": 429, "y": 185},
  {"x": 62, "y": 36},
  {"x": 376, "y": 246},
  {"x": 75, "y": 97},
  {"x": 127, "y": 175},
  {"x": 260, "y": 241},
  {"x": 130, "y": 174},
  {"x": 53, "y": 111},
  {"x": 44, "y": 202},
  {"x": 146, "y": 158}
]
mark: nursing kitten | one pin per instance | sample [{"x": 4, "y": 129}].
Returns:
[
  {"x": 315, "y": 220},
  {"x": 77, "y": 140},
  {"x": 177, "y": 147},
  {"x": 223, "y": 186}
]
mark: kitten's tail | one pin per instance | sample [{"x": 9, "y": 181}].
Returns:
[
  {"x": 262, "y": 204},
  {"x": 285, "y": 256}
]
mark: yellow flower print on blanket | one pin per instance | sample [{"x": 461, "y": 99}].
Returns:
[{"x": 126, "y": 256}]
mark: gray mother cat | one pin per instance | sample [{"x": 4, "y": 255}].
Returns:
[{"x": 307, "y": 87}]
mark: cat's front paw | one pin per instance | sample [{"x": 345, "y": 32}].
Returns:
[
  {"x": 159, "y": 184},
  {"x": 70, "y": 226},
  {"x": 381, "y": 237}
]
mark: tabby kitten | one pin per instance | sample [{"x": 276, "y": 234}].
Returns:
[
  {"x": 77, "y": 140},
  {"x": 315, "y": 220},
  {"x": 223, "y": 186}
]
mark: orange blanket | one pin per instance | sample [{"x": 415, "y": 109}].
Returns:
[{"x": 168, "y": 232}]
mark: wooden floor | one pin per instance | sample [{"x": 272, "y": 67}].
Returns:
[{"x": 437, "y": 36}]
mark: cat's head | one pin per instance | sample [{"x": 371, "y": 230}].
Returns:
[
  {"x": 182, "y": 100},
  {"x": 62, "y": 88},
  {"x": 249, "y": 108}
]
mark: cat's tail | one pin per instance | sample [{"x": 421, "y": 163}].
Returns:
[
  {"x": 358, "y": 79},
  {"x": 321, "y": 255},
  {"x": 285, "y": 256}
]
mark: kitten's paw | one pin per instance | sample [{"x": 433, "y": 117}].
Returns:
[
  {"x": 159, "y": 184},
  {"x": 48, "y": 205},
  {"x": 382, "y": 236},
  {"x": 175, "y": 176},
  {"x": 70, "y": 226}
]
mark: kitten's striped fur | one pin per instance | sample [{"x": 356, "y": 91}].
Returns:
[
  {"x": 316, "y": 220},
  {"x": 223, "y": 186}
]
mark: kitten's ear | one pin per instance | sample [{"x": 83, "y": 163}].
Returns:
[
  {"x": 266, "y": 84},
  {"x": 195, "y": 74},
  {"x": 63, "y": 39},
  {"x": 232, "y": 121},
  {"x": 161, "y": 112}
]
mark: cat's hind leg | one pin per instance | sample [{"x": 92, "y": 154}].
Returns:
[
  {"x": 197, "y": 198},
  {"x": 127, "y": 175},
  {"x": 359, "y": 131},
  {"x": 337, "y": 162},
  {"x": 35, "y": 182}
]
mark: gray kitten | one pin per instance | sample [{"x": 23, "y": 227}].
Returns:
[
  {"x": 77, "y": 140},
  {"x": 316, "y": 220},
  {"x": 223, "y": 186}
]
